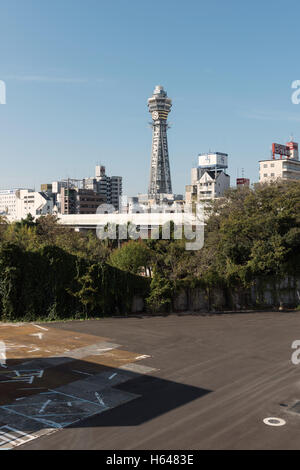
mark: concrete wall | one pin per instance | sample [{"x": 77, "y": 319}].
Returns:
[
  {"x": 137, "y": 304},
  {"x": 264, "y": 293},
  {"x": 199, "y": 299},
  {"x": 285, "y": 292}
]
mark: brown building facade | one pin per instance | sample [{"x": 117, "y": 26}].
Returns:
[{"x": 80, "y": 201}]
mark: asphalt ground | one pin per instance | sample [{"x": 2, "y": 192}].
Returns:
[{"x": 163, "y": 382}]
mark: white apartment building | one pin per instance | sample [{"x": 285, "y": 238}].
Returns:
[
  {"x": 32, "y": 202},
  {"x": 8, "y": 202},
  {"x": 286, "y": 168},
  {"x": 209, "y": 179},
  {"x": 271, "y": 170},
  {"x": 212, "y": 185}
]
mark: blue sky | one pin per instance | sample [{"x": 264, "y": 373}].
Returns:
[{"x": 78, "y": 74}]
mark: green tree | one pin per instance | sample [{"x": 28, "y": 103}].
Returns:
[
  {"x": 161, "y": 294},
  {"x": 133, "y": 256}
]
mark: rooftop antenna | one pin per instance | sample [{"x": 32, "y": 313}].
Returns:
[{"x": 242, "y": 172}]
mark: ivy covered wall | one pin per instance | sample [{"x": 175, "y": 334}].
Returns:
[{"x": 50, "y": 283}]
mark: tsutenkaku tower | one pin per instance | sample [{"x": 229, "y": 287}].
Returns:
[{"x": 160, "y": 178}]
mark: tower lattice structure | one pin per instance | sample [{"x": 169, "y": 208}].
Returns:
[{"x": 160, "y": 178}]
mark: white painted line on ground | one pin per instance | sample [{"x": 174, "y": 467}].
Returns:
[
  {"x": 44, "y": 406},
  {"x": 14, "y": 437},
  {"x": 2, "y": 354},
  {"x": 5, "y": 437},
  {"x": 26, "y": 376},
  {"x": 41, "y": 327},
  {"x": 80, "y": 372},
  {"x": 99, "y": 399},
  {"x": 72, "y": 396},
  {"x": 40, "y": 420},
  {"x": 39, "y": 335},
  {"x": 19, "y": 379},
  {"x": 112, "y": 376},
  {"x": 32, "y": 373}
]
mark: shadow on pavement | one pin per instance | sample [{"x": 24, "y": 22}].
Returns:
[
  {"x": 157, "y": 396},
  {"x": 51, "y": 393}
]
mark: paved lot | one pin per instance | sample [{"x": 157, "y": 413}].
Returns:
[{"x": 174, "y": 382}]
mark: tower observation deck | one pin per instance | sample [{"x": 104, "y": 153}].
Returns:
[{"x": 160, "y": 178}]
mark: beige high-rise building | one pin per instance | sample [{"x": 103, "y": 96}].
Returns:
[{"x": 287, "y": 167}]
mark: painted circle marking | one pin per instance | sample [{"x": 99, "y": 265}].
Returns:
[{"x": 272, "y": 421}]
